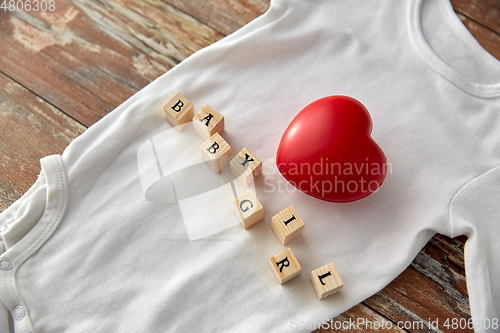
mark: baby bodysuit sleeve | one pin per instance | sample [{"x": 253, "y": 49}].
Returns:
[{"x": 475, "y": 212}]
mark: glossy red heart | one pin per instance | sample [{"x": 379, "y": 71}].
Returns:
[{"x": 327, "y": 151}]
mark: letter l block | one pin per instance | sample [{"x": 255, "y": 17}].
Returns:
[{"x": 326, "y": 280}]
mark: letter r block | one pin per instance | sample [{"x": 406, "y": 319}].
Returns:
[
  {"x": 207, "y": 122},
  {"x": 216, "y": 152},
  {"x": 248, "y": 209},
  {"x": 287, "y": 225},
  {"x": 178, "y": 111},
  {"x": 326, "y": 280},
  {"x": 285, "y": 266},
  {"x": 246, "y": 166}
]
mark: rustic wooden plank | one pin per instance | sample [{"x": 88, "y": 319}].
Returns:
[
  {"x": 88, "y": 57},
  {"x": 225, "y": 16},
  {"x": 432, "y": 288},
  {"x": 358, "y": 319},
  {"x": 30, "y": 129},
  {"x": 488, "y": 39},
  {"x": 485, "y": 12},
  {"x": 99, "y": 40}
]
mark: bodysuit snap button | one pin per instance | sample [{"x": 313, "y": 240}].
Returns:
[
  {"x": 5, "y": 265},
  {"x": 19, "y": 312}
]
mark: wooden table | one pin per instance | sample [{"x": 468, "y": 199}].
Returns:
[{"x": 62, "y": 71}]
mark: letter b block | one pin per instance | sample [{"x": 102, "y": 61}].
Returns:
[
  {"x": 207, "y": 122},
  {"x": 287, "y": 225},
  {"x": 326, "y": 280},
  {"x": 216, "y": 152},
  {"x": 246, "y": 166},
  {"x": 178, "y": 111},
  {"x": 285, "y": 266},
  {"x": 248, "y": 209}
]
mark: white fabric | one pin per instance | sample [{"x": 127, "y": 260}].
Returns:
[{"x": 107, "y": 257}]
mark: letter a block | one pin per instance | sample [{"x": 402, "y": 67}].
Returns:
[
  {"x": 248, "y": 209},
  {"x": 285, "y": 266},
  {"x": 326, "y": 280},
  {"x": 246, "y": 166},
  {"x": 287, "y": 225},
  {"x": 207, "y": 122},
  {"x": 178, "y": 111},
  {"x": 216, "y": 152}
]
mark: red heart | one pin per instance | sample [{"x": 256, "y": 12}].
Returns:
[{"x": 327, "y": 151}]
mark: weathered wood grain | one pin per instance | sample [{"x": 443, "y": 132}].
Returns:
[
  {"x": 432, "y": 288},
  {"x": 88, "y": 57},
  {"x": 488, "y": 39},
  {"x": 30, "y": 129},
  {"x": 225, "y": 16},
  {"x": 359, "y": 318},
  {"x": 485, "y": 12}
]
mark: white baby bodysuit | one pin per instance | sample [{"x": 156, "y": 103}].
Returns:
[{"x": 117, "y": 233}]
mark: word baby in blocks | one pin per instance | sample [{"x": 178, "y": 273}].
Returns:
[
  {"x": 285, "y": 266},
  {"x": 287, "y": 225},
  {"x": 207, "y": 122},
  {"x": 178, "y": 111},
  {"x": 246, "y": 166},
  {"x": 216, "y": 152},
  {"x": 326, "y": 280},
  {"x": 248, "y": 209}
]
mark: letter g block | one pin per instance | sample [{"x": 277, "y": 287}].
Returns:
[{"x": 248, "y": 209}]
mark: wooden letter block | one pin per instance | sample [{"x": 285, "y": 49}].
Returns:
[
  {"x": 246, "y": 166},
  {"x": 216, "y": 152},
  {"x": 287, "y": 225},
  {"x": 326, "y": 280},
  {"x": 285, "y": 266},
  {"x": 178, "y": 111},
  {"x": 207, "y": 122},
  {"x": 248, "y": 209}
]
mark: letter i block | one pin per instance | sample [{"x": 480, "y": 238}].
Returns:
[
  {"x": 207, "y": 122},
  {"x": 287, "y": 225},
  {"x": 248, "y": 209},
  {"x": 178, "y": 111},
  {"x": 285, "y": 266},
  {"x": 326, "y": 280},
  {"x": 216, "y": 152},
  {"x": 246, "y": 166}
]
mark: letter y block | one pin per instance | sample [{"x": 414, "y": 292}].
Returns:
[{"x": 246, "y": 166}]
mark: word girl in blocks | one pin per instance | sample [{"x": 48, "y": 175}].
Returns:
[
  {"x": 248, "y": 209},
  {"x": 287, "y": 225},
  {"x": 216, "y": 152},
  {"x": 207, "y": 122},
  {"x": 285, "y": 266},
  {"x": 326, "y": 280},
  {"x": 246, "y": 166},
  {"x": 178, "y": 111}
]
